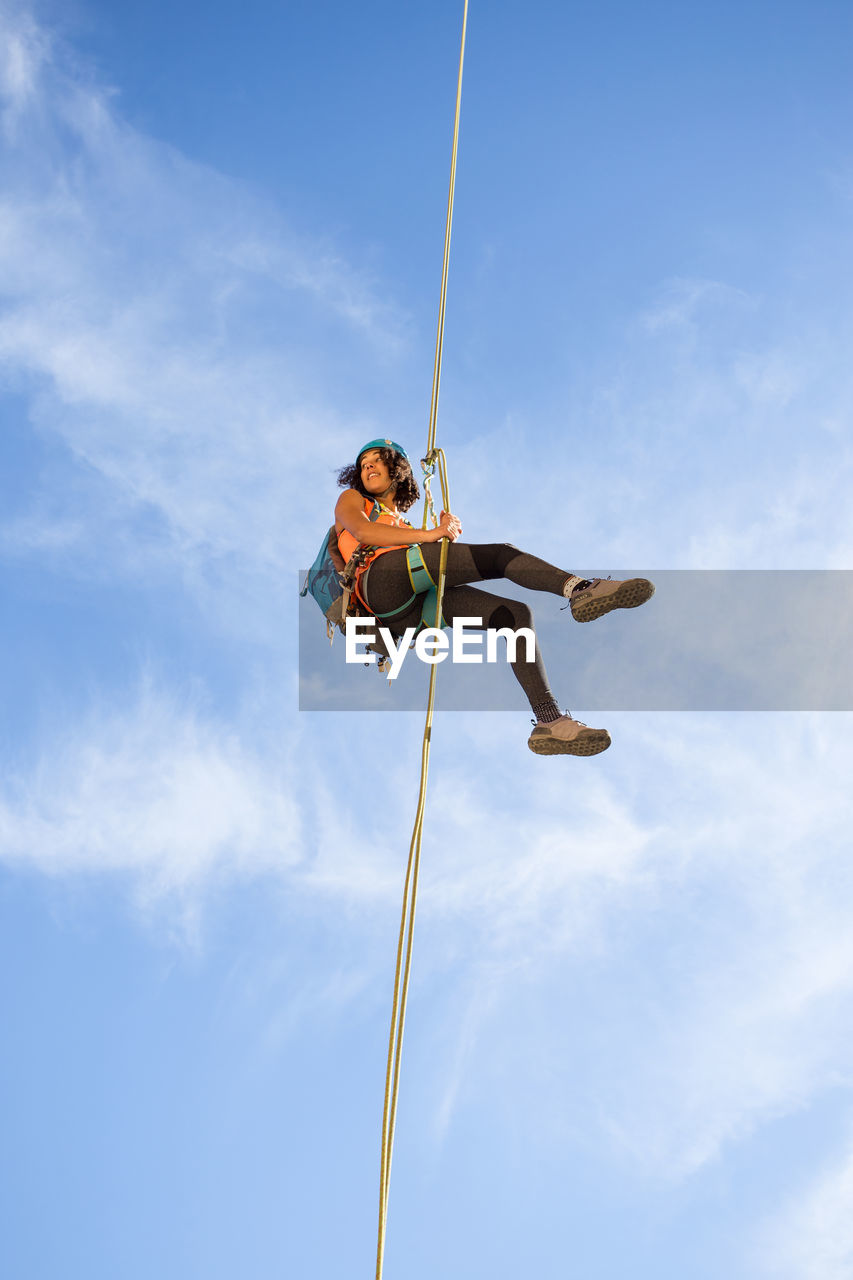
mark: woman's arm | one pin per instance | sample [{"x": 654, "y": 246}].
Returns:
[{"x": 349, "y": 513}]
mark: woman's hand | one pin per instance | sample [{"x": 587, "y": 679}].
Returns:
[{"x": 448, "y": 527}]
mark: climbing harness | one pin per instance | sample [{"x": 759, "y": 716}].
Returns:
[{"x": 433, "y": 459}]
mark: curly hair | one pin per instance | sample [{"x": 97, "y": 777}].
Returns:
[{"x": 406, "y": 491}]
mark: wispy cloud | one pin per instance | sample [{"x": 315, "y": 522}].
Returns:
[
  {"x": 811, "y": 1238},
  {"x": 696, "y": 884},
  {"x": 695, "y": 960},
  {"x": 176, "y": 340},
  {"x": 24, "y": 50},
  {"x": 167, "y": 327},
  {"x": 683, "y": 304},
  {"x": 157, "y": 790},
  {"x": 715, "y": 434}
]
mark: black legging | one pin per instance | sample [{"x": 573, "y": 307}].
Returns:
[{"x": 386, "y": 587}]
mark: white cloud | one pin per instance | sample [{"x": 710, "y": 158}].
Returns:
[
  {"x": 22, "y": 52},
  {"x": 811, "y": 1238},
  {"x": 715, "y": 435},
  {"x": 681, "y": 916},
  {"x": 185, "y": 345},
  {"x": 693, "y": 885},
  {"x": 37, "y": 533},
  {"x": 158, "y": 790},
  {"x": 178, "y": 339},
  {"x": 750, "y": 1025},
  {"x": 682, "y": 302}
]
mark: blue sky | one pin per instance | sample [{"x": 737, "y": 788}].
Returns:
[{"x": 628, "y": 1049}]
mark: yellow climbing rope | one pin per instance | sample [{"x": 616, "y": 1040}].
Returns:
[{"x": 433, "y": 459}]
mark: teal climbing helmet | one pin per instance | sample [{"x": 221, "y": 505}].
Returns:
[{"x": 383, "y": 444}]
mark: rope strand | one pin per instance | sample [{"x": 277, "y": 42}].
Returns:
[{"x": 434, "y": 457}]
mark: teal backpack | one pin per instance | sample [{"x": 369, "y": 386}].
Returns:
[{"x": 330, "y": 581}]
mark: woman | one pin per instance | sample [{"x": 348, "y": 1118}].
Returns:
[{"x": 383, "y": 475}]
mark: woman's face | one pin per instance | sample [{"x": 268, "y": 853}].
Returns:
[{"x": 374, "y": 473}]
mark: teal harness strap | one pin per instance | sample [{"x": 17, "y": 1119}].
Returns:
[
  {"x": 419, "y": 575},
  {"x": 423, "y": 584},
  {"x": 428, "y": 611}
]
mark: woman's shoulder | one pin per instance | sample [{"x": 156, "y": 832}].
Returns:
[
  {"x": 349, "y": 496},
  {"x": 348, "y": 500}
]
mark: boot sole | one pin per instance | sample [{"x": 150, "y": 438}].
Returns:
[
  {"x": 632, "y": 593},
  {"x": 591, "y": 743}
]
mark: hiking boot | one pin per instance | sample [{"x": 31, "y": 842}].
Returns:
[
  {"x": 603, "y": 594},
  {"x": 567, "y": 737}
]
